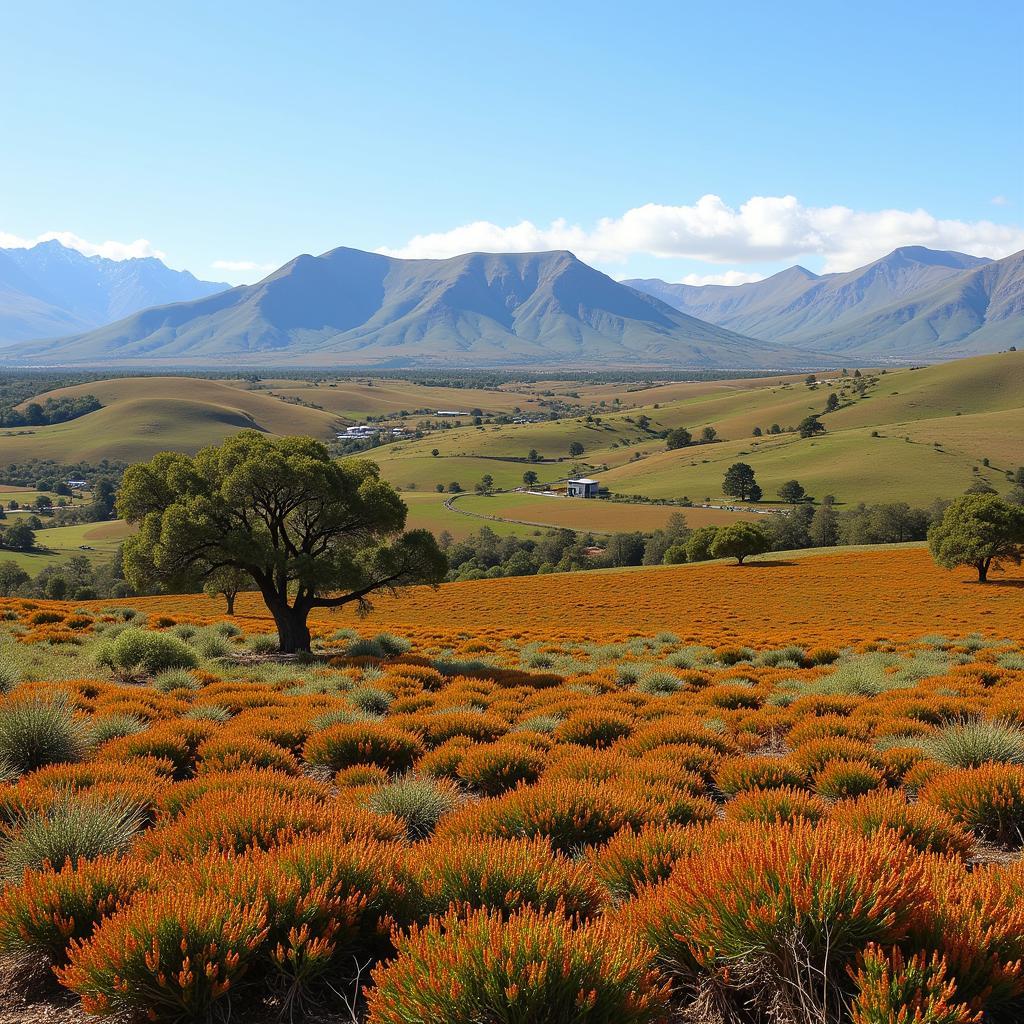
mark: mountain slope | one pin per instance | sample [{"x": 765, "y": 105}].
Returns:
[
  {"x": 50, "y": 290},
  {"x": 979, "y": 311},
  {"x": 351, "y": 308},
  {"x": 913, "y": 303}
]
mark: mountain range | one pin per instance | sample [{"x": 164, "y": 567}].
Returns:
[
  {"x": 354, "y": 308},
  {"x": 348, "y": 308},
  {"x": 50, "y": 290},
  {"x": 915, "y": 303}
]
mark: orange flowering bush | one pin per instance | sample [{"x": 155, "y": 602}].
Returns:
[
  {"x": 893, "y": 988},
  {"x": 505, "y": 875},
  {"x": 989, "y": 800},
  {"x": 169, "y": 955},
  {"x": 528, "y": 967},
  {"x": 341, "y": 746},
  {"x": 790, "y": 893},
  {"x": 47, "y": 911}
]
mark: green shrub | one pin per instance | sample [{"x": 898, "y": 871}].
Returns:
[
  {"x": 420, "y": 803},
  {"x": 262, "y": 643},
  {"x": 69, "y": 830},
  {"x": 142, "y": 651},
  {"x": 110, "y": 727},
  {"x": 36, "y": 733},
  {"x": 212, "y": 644},
  {"x": 174, "y": 679},
  {"x": 970, "y": 744},
  {"x": 370, "y": 700}
]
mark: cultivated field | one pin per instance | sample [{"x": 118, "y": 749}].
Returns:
[{"x": 801, "y": 775}]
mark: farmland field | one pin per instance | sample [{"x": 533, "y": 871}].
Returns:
[
  {"x": 654, "y": 777},
  {"x": 95, "y": 541}
]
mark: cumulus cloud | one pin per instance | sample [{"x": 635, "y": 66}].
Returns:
[
  {"x": 764, "y": 228},
  {"x": 111, "y": 250}
]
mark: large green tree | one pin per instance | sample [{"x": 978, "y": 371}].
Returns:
[
  {"x": 739, "y": 482},
  {"x": 979, "y": 530},
  {"x": 740, "y": 541},
  {"x": 309, "y": 531}
]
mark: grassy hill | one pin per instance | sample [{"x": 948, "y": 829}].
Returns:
[
  {"x": 909, "y": 434},
  {"x": 144, "y": 415}
]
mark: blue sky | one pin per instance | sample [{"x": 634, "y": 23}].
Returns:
[{"x": 230, "y": 137}]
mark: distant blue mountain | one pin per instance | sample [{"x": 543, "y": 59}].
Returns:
[
  {"x": 353, "y": 308},
  {"x": 915, "y": 303},
  {"x": 50, "y": 290}
]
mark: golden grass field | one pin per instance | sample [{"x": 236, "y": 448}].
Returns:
[{"x": 845, "y": 596}]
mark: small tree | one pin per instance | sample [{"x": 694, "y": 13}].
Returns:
[
  {"x": 226, "y": 582},
  {"x": 19, "y": 537},
  {"x": 675, "y": 554},
  {"x": 792, "y": 491},
  {"x": 310, "y": 531},
  {"x": 680, "y": 437},
  {"x": 454, "y": 487},
  {"x": 530, "y": 478},
  {"x": 708, "y": 434},
  {"x": 810, "y": 426},
  {"x": 739, "y": 482},
  {"x": 534, "y": 455},
  {"x": 435, "y": 452},
  {"x": 824, "y": 528},
  {"x": 575, "y": 449},
  {"x": 740, "y": 541},
  {"x": 698, "y": 544},
  {"x": 832, "y": 402},
  {"x": 978, "y": 530},
  {"x": 486, "y": 484}
]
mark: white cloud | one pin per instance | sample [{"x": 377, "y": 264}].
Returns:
[
  {"x": 1000, "y": 201},
  {"x": 138, "y": 249},
  {"x": 763, "y": 228},
  {"x": 730, "y": 277}
]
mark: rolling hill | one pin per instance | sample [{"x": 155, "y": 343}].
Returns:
[
  {"x": 915, "y": 303},
  {"x": 51, "y": 290},
  {"x": 145, "y": 415},
  {"x": 353, "y": 308}
]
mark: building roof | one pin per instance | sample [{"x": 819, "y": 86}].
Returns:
[{"x": 582, "y": 480}]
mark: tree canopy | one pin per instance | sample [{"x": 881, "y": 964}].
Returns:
[
  {"x": 739, "y": 482},
  {"x": 739, "y": 541},
  {"x": 310, "y": 532},
  {"x": 680, "y": 437},
  {"x": 979, "y": 530}
]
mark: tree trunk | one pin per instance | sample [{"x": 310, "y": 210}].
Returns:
[
  {"x": 982, "y": 568},
  {"x": 292, "y": 630},
  {"x": 230, "y": 601}
]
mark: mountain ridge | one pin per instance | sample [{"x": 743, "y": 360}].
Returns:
[
  {"x": 867, "y": 312},
  {"x": 49, "y": 290},
  {"x": 349, "y": 307}
]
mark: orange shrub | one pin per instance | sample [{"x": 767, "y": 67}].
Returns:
[
  {"x": 568, "y": 814},
  {"x": 505, "y": 875},
  {"x": 47, "y": 911},
  {"x": 530, "y": 967},
  {"x": 784, "y": 804},
  {"x": 989, "y": 800},
  {"x": 738, "y": 774},
  {"x": 341, "y": 746},
  {"x": 169, "y": 955},
  {"x": 493, "y": 768}
]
